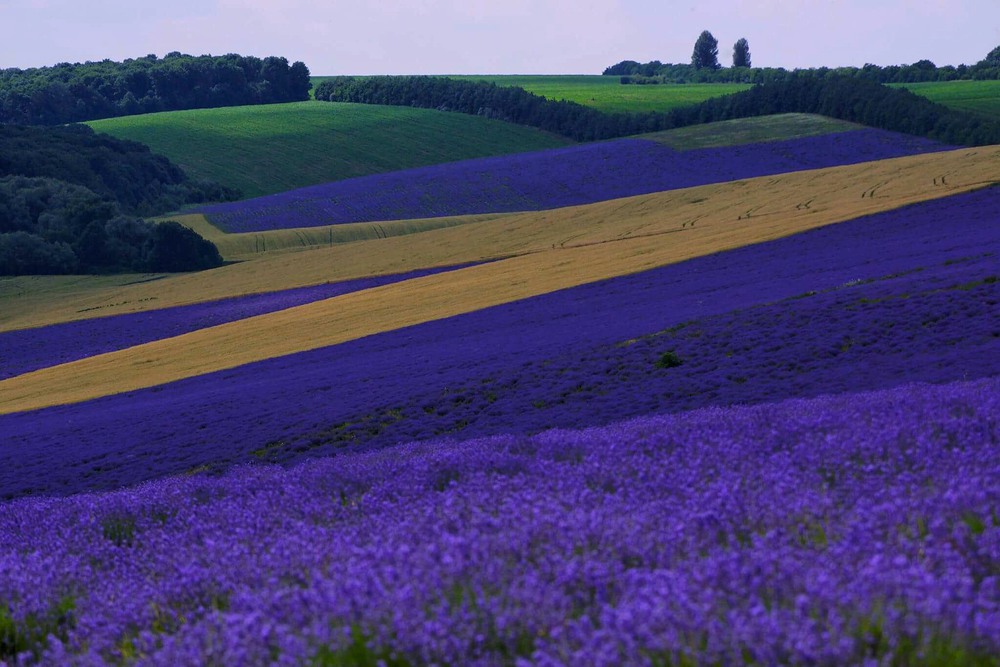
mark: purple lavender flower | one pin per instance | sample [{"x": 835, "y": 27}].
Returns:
[{"x": 843, "y": 530}]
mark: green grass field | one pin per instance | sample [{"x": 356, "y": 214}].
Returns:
[
  {"x": 273, "y": 148},
  {"x": 982, "y": 97},
  {"x": 606, "y": 93}
]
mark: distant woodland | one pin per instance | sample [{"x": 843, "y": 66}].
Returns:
[
  {"x": 710, "y": 71},
  {"x": 848, "y": 98},
  {"x": 70, "y": 201},
  {"x": 68, "y": 93}
]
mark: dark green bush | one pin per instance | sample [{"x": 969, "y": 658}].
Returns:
[{"x": 669, "y": 359}]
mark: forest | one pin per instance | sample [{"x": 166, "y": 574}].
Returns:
[
  {"x": 925, "y": 70},
  {"x": 68, "y": 93},
  {"x": 70, "y": 201}
]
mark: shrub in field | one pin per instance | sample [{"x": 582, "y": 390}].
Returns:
[{"x": 669, "y": 359}]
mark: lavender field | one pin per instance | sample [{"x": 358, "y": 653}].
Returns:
[
  {"x": 860, "y": 529},
  {"x": 786, "y": 453},
  {"x": 915, "y": 300},
  {"x": 581, "y": 174}
]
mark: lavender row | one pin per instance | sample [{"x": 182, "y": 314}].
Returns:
[
  {"x": 933, "y": 324},
  {"x": 27, "y": 350},
  {"x": 552, "y": 178},
  {"x": 463, "y": 375},
  {"x": 852, "y": 530}
]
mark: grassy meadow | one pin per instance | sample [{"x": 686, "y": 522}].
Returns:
[
  {"x": 604, "y": 92},
  {"x": 272, "y": 148},
  {"x": 608, "y": 94},
  {"x": 982, "y": 97}
]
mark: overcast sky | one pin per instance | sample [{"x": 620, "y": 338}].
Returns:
[{"x": 499, "y": 37}]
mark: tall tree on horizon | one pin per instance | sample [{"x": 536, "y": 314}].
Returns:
[
  {"x": 706, "y": 51},
  {"x": 741, "y": 53}
]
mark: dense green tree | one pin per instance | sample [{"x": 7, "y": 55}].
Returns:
[
  {"x": 706, "y": 51},
  {"x": 741, "y": 53},
  {"x": 173, "y": 247},
  {"x": 22, "y": 253},
  {"x": 624, "y": 68},
  {"x": 992, "y": 58}
]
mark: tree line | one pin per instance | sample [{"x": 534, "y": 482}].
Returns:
[
  {"x": 70, "y": 201},
  {"x": 67, "y": 93},
  {"x": 705, "y": 68},
  {"x": 845, "y": 97}
]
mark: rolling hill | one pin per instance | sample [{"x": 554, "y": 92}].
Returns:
[
  {"x": 538, "y": 252},
  {"x": 752, "y": 421},
  {"x": 981, "y": 97},
  {"x": 580, "y": 174},
  {"x": 272, "y": 148}
]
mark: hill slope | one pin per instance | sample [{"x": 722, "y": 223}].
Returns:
[
  {"x": 272, "y": 148},
  {"x": 981, "y": 97},
  {"x": 545, "y": 252},
  {"x": 580, "y": 174}
]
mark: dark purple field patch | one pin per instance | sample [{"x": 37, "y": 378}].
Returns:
[
  {"x": 553, "y": 178},
  {"x": 908, "y": 295}
]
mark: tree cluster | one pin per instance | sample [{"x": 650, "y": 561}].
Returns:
[
  {"x": 856, "y": 100},
  {"x": 53, "y": 227},
  {"x": 69, "y": 201},
  {"x": 847, "y": 98},
  {"x": 704, "y": 68},
  {"x": 69, "y": 93},
  {"x": 127, "y": 172}
]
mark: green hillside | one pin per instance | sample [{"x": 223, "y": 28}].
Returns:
[
  {"x": 982, "y": 97},
  {"x": 272, "y": 148},
  {"x": 605, "y": 93}
]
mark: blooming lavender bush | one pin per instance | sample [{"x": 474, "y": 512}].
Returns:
[
  {"x": 552, "y": 178},
  {"x": 850, "y": 530},
  {"x": 563, "y": 359}
]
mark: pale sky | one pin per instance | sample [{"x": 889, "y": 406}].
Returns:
[{"x": 499, "y": 37}]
